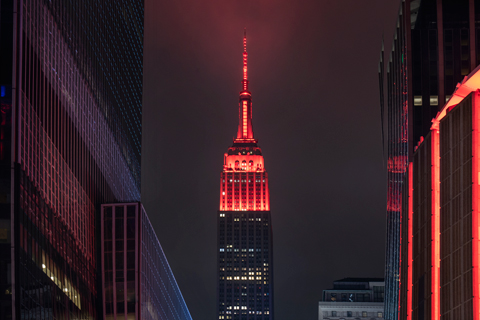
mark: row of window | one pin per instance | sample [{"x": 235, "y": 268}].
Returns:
[
  {"x": 350, "y": 314},
  {"x": 243, "y": 250},
  {"x": 242, "y": 181}
]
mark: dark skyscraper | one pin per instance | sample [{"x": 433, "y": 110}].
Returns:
[
  {"x": 70, "y": 140},
  {"x": 137, "y": 280},
  {"x": 436, "y": 44},
  {"x": 245, "y": 261}
]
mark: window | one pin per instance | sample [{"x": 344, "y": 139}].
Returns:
[
  {"x": 364, "y": 314},
  {"x": 378, "y": 293},
  {"x": 380, "y": 315},
  {"x": 417, "y": 100},
  {"x": 349, "y": 313},
  {"x": 334, "y": 313}
]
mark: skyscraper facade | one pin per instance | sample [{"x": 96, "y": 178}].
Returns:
[
  {"x": 245, "y": 257},
  {"x": 441, "y": 275},
  {"x": 436, "y": 44},
  {"x": 137, "y": 280},
  {"x": 70, "y": 139}
]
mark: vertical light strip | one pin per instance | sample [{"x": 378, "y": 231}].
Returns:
[
  {"x": 267, "y": 193},
  {"x": 114, "y": 267},
  {"x": 264, "y": 192},
  {"x": 138, "y": 253},
  {"x": 225, "y": 192},
  {"x": 245, "y": 56},
  {"x": 245, "y": 106},
  {"x": 102, "y": 251},
  {"x": 400, "y": 250},
  {"x": 435, "y": 159},
  {"x": 475, "y": 209},
  {"x": 410, "y": 242},
  {"x": 125, "y": 262},
  {"x": 222, "y": 185}
]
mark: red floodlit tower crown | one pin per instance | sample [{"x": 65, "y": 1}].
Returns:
[{"x": 244, "y": 181}]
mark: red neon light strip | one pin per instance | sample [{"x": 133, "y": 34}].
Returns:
[
  {"x": 410, "y": 242},
  {"x": 475, "y": 203},
  {"x": 399, "y": 308},
  {"x": 435, "y": 137},
  {"x": 245, "y": 119}
]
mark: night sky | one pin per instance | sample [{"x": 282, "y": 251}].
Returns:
[{"x": 313, "y": 71}]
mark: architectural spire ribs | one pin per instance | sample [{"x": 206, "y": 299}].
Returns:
[
  {"x": 245, "y": 56},
  {"x": 245, "y": 130}
]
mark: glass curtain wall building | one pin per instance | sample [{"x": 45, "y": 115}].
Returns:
[
  {"x": 245, "y": 257},
  {"x": 435, "y": 45},
  {"x": 70, "y": 140},
  {"x": 397, "y": 149},
  {"x": 137, "y": 280}
]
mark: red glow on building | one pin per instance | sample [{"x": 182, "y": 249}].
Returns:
[
  {"x": 393, "y": 203},
  {"x": 444, "y": 278},
  {"x": 397, "y": 164},
  {"x": 435, "y": 154},
  {"x": 244, "y": 181},
  {"x": 404, "y": 117},
  {"x": 400, "y": 271},
  {"x": 475, "y": 203},
  {"x": 245, "y": 56},
  {"x": 245, "y": 131},
  {"x": 470, "y": 83},
  {"x": 410, "y": 242}
]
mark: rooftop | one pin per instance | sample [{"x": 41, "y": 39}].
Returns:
[{"x": 360, "y": 280}]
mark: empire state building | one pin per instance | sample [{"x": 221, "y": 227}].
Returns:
[{"x": 245, "y": 259}]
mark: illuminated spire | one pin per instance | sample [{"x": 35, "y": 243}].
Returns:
[
  {"x": 245, "y": 56},
  {"x": 245, "y": 130}
]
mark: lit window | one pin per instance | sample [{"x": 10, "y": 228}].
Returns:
[
  {"x": 417, "y": 100},
  {"x": 380, "y": 314}
]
